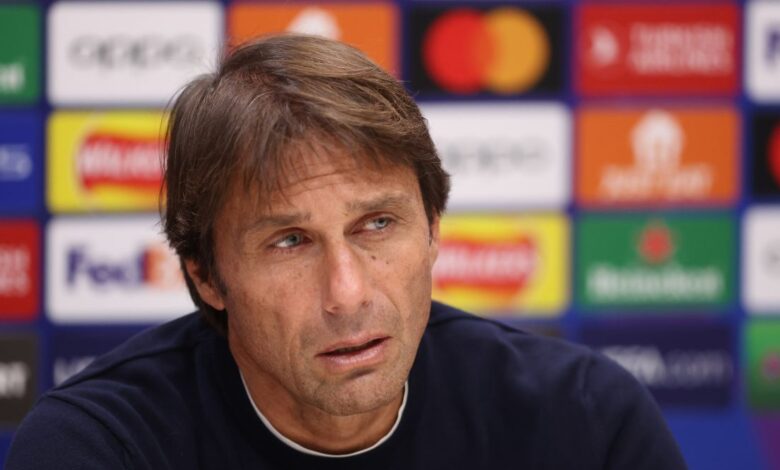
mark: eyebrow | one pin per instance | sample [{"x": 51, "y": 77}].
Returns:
[{"x": 383, "y": 202}]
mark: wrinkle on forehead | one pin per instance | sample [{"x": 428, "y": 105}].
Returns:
[{"x": 305, "y": 167}]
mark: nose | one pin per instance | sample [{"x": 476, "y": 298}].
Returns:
[{"x": 345, "y": 287}]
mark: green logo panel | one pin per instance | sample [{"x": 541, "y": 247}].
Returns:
[
  {"x": 20, "y": 51},
  {"x": 634, "y": 261},
  {"x": 762, "y": 353}
]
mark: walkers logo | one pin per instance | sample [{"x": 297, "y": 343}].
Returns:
[
  {"x": 503, "y": 155},
  {"x": 20, "y": 162},
  {"x": 761, "y": 260},
  {"x": 766, "y": 154},
  {"x": 657, "y": 157},
  {"x": 19, "y": 276},
  {"x": 658, "y": 49},
  {"x": 630, "y": 261},
  {"x": 763, "y": 50},
  {"x": 681, "y": 363},
  {"x": 104, "y": 161},
  {"x": 503, "y": 264},
  {"x": 112, "y": 270},
  {"x": 18, "y": 376},
  {"x": 371, "y": 27},
  {"x": 72, "y": 351},
  {"x": 20, "y": 52},
  {"x": 124, "y": 52},
  {"x": 762, "y": 343},
  {"x": 504, "y": 50}
]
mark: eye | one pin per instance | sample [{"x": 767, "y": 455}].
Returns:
[
  {"x": 289, "y": 241},
  {"x": 378, "y": 223}
]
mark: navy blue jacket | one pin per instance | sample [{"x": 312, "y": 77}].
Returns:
[{"x": 481, "y": 396}]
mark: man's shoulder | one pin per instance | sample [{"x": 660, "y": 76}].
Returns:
[
  {"x": 150, "y": 348},
  {"x": 119, "y": 404},
  {"x": 469, "y": 333},
  {"x": 482, "y": 347}
]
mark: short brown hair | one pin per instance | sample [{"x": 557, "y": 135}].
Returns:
[{"x": 268, "y": 100}]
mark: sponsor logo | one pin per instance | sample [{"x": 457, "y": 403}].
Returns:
[
  {"x": 15, "y": 162},
  {"x": 129, "y": 53},
  {"x": 121, "y": 161},
  {"x": 658, "y": 49},
  {"x": 763, "y": 51},
  {"x": 108, "y": 161},
  {"x": 765, "y": 127},
  {"x": 502, "y": 267},
  {"x": 658, "y": 156},
  {"x": 632, "y": 261},
  {"x": 19, "y": 53},
  {"x": 503, "y": 155},
  {"x": 11, "y": 77},
  {"x": 136, "y": 53},
  {"x": 20, "y": 162},
  {"x": 19, "y": 254},
  {"x": 18, "y": 384},
  {"x": 112, "y": 270},
  {"x": 504, "y": 50},
  {"x": 503, "y": 264},
  {"x": 762, "y": 343},
  {"x": 761, "y": 260},
  {"x": 153, "y": 266},
  {"x": 681, "y": 364},
  {"x": 371, "y": 27},
  {"x": 72, "y": 351}
]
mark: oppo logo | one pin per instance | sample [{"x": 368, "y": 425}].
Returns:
[
  {"x": 137, "y": 52},
  {"x": 494, "y": 157}
]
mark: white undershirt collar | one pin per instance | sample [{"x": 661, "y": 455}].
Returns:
[{"x": 305, "y": 450}]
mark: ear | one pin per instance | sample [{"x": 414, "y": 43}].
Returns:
[
  {"x": 433, "y": 241},
  {"x": 207, "y": 290}
]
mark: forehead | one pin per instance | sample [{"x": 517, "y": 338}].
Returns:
[{"x": 321, "y": 176}]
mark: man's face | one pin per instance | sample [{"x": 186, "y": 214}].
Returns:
[{"x": 328, "y": 285}]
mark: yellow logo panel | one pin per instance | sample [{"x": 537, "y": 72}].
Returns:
[
  {"x": 504, "y": 264},
  {"x": 104, "y": 161}
]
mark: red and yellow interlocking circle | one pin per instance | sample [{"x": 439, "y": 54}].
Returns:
[{"x": 504, "y": 50}]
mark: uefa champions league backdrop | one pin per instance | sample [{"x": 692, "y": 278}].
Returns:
[{"x": 616, "y": 182}]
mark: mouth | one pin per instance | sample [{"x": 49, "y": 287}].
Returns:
[{"x": 346, "y": 357}]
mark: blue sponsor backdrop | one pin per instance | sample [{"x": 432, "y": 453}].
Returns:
[
  {"x": 712, "y": 421},
  {"x": 21, "y": 162}
]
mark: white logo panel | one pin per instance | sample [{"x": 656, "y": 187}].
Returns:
[
  {"x": 763, "y": 50},
  {"x": 115, "y": 269},
  {"x": 129, "y": 53},
  {"x": 761, "y": 260},
  {"x": 504, "y": 156}
]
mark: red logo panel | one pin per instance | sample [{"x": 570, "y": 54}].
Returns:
[
  {"x": 19, "y": 270},
  {"x": 658, "y": 49}
]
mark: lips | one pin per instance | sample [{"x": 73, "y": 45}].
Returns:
[
  {"x": 350, "y": 355},
  {"x": 354, "y": 349}
]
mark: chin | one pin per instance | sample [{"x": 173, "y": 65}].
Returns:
[{"x": 361, "y": 393}]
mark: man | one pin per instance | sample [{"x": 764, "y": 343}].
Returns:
[{"x": 303, "y": 198}]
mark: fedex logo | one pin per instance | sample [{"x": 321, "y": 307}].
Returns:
[
  {"x": 112, "y": 269},
  {"x": 151, "y": 266}
]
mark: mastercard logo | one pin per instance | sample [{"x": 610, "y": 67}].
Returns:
[
  {"x": 774, "y": 153},
  {"x": 505, "y": 50}
]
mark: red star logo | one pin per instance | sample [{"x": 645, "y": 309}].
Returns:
[{"x": 655, "y": 243}]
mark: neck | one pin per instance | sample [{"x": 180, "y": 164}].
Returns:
[{"x": 313, "y": 428}]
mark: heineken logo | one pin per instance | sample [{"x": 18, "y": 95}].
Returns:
[{"x": 627, "y": 260}]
